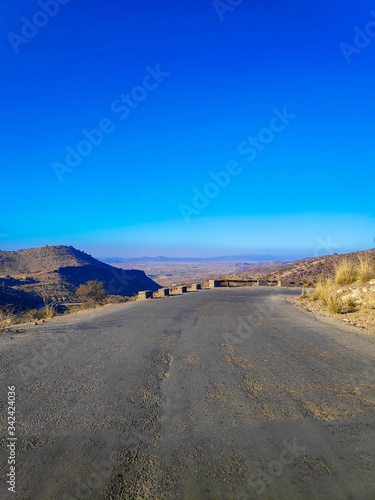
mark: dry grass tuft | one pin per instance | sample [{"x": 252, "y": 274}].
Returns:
[
  {"x": 351, "y": 305},
  {"x": 49, "y": 311},
  {"x": 365, "y": 268},
  {"x": 334, "y": 304},
  {"x": 328, "y": 296},
  {"x": 8, "y": 316},
  {"x": 345, "y": 272},
  {"x": 46, "y": 312},
  {"x": 322, "y": 290}
]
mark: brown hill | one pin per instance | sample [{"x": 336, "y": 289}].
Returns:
[
  {"x": 307, "y": 270},
  {"x": 52, "y": 273},
  {"x": 48, "y": 258},
  {"x": 260, "y": 267}
]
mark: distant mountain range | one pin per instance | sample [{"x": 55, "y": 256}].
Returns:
[
  {"x": 228, "y": 258},
  {"x": 54, "y": 273}
]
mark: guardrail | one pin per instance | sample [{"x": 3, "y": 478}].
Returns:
[{"x": 166, "y": 292}]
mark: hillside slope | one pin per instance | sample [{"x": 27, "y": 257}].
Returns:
[
  {"x": 314, "y": 269},
  {"x": 48, "y": 258},
  {"x": 52, "y": 273},
  {"x": 309, "y": 270}
]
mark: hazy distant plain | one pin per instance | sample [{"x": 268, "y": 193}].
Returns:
[{"x": 175, "y": 273}]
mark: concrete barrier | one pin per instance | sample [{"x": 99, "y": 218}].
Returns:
[
  {"x": 196, "y": 286},
  {"x": 283, "y": 283},
  {"x": 238, "y": 282},
  {"x": 182, "y": 289},
  {"x": 214, "y": 283},
  {"x": 262, "y": 283},
  {"x": 163, "y": 292},
  {"x": 146, "y": 294}
]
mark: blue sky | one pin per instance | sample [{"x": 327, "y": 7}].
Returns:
[{"x": 180, "y": 90}]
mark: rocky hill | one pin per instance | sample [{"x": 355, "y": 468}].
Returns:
[
  {"x": 309, "y": 270},
  {"x": 48, "y": 258},
  {"x": 260, "y": 267},
  {"x": 52, "y": 273}
]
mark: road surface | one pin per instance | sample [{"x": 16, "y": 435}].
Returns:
[{"x": 218, "y": 394}]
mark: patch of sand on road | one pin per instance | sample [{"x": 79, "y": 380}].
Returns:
[
  {"x": 217, "y": 392},
  {"x": 315, "y": 466},
  {"x": 216, "y": 471},
  {"x": 139, "y": 471},
  {"x": 273, "y": 400},
  {"x": 330, "y": 408}
]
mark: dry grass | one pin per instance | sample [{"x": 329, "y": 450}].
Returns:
[
  {"x": 351, "y": 305},
  {"x": 365, "y": 268},
  {"x": 328, "y": 296},
  {"x": 8, "y": 316},
  {"x": 345, "y": 272},
  {"x": 46, "y": 312},
  {"x": 334, "y": 304},
  {"x": 49, "y": 311},
  {"x": 322, "y": 290},
  {"x": 119, "y": 299}
]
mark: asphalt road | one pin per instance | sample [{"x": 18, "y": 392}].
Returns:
[{"x": 218, "y": 394}]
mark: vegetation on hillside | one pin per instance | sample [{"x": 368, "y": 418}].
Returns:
[
  {"x": 92, "y": 293},
  {"x": 314, "y": 269},
  {"x": 349, "y": 291}
]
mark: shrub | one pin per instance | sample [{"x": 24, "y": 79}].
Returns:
[
  {"x": 322, "y": 290},
  {"x": 365, "y": 268},
  {"x": 329, "y": 297},
  {"x": 345, "y": 272},
  {"x": 92, "y": 292},
  {"x": 8, "y": 315},
  {"x": 46, "y": 312},
  {"x": 117, "y": 299},
  {"x": 30, "y": 314},
  {"x": 334, "y": 303},
  {"x": 352, "y": 305}
]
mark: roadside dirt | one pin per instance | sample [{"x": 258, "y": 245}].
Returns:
[{"x": 358, "y": 304}]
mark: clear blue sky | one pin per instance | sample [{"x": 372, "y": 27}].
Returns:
[{"x": 220, "y": 75}]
